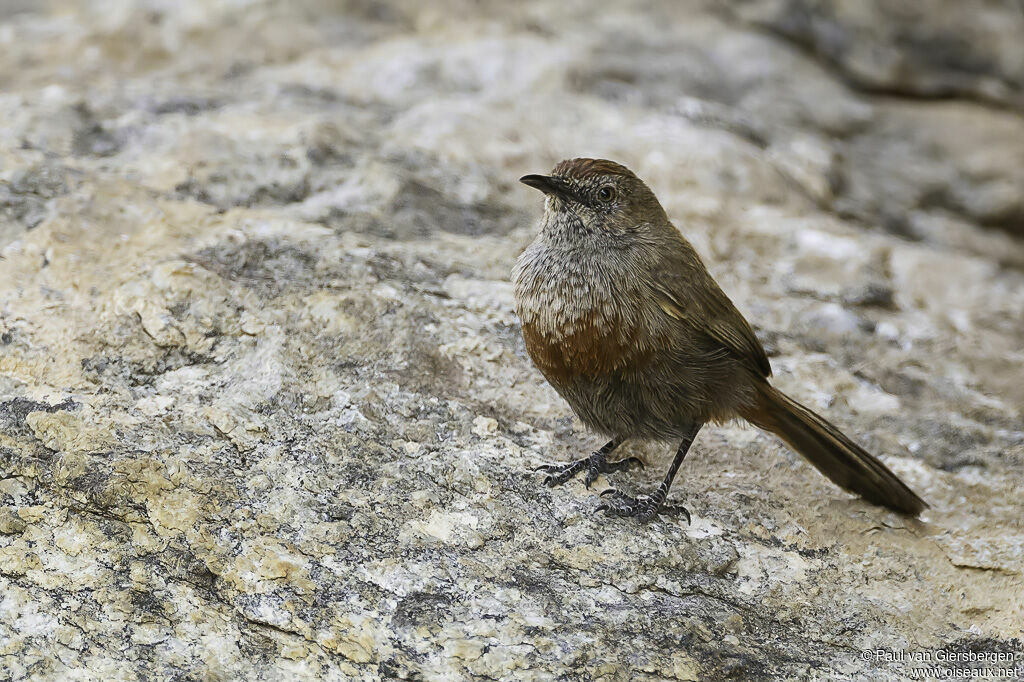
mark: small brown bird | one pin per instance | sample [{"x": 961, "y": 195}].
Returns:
[{"x": 621, "y": 316}]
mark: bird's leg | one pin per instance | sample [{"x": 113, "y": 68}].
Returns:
[
  {"x": 644, "y": 507},
  {"x": 595, "y": 465}
]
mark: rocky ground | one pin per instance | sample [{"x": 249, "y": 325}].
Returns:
[{"x": 265, "y": 412}]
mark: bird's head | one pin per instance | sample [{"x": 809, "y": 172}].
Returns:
[{"x": 595, "y": 197}]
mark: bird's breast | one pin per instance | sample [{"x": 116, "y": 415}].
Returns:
[
  {"x": 588, "y": 350},
  {"x": 577, "y": 323}
]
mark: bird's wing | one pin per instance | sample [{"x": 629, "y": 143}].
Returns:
[{"x": 687, "y": 293}]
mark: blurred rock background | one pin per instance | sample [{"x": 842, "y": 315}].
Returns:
[{"x": 265, "y": 412}]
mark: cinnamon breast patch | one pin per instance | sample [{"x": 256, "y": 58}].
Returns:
[{"x": 590, "y": 349}]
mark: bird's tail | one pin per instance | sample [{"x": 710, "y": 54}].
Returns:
[{"x": 845, "y": 463}]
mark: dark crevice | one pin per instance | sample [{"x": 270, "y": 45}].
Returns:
[{"x": 806, "y": 44}]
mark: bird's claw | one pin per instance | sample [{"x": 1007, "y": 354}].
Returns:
[
  {"x": 595, "y": 466},
  {"x": 594, "y": 469},
  {"x": 560, "y": 473},
  {"x": 642, "y": 507}
]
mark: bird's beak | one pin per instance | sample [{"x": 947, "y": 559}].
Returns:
[{"x": 547, "y": 184}]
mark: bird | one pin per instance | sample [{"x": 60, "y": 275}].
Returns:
[{"x": 621, "y": 316}]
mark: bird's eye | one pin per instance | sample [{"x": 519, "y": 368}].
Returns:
[{"x": 606, "y": 194}]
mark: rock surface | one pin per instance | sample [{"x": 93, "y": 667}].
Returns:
[{"x": 265, "y": 412}]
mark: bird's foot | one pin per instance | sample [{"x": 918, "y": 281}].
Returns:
[
  {"x": 595, "y": 465},
  {"x": 642, "y": 507}
]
